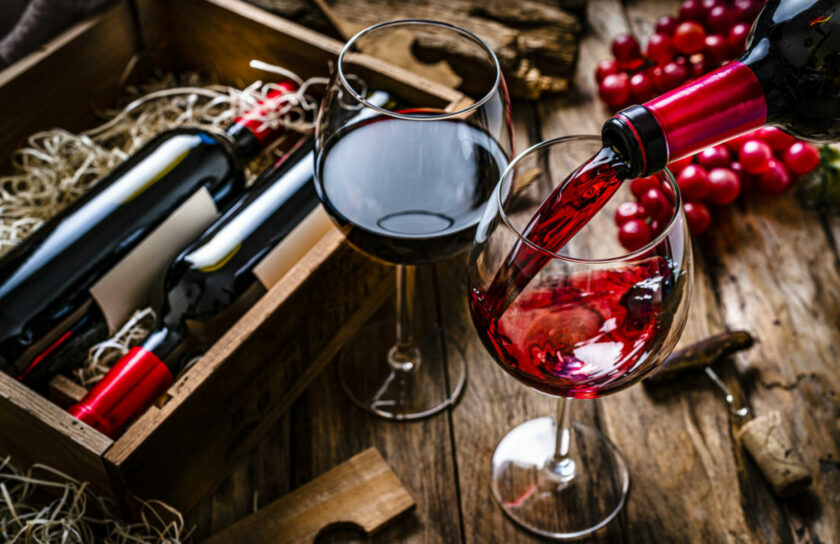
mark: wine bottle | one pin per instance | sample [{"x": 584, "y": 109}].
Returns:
[
  {"x": 213, "y": 282},
  {"x": 209, "y": 285},
  {"x": 789, "y": 76},
  {"x": 81, "y": 274}
]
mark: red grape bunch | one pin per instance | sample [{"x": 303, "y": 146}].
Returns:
[
  {"x": 705, "y": 35},
  {"x": 766, "y": 160}
]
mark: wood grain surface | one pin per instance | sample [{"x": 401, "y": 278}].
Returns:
[
  {"x": 362, "y": 492},
  {"x": 767, "y": 267}
]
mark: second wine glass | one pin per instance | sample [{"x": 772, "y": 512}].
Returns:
[
  {"x": 407, "y": 185},
  {"x": 588, "y": 319}
]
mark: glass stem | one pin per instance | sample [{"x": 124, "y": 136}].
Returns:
[
  {"x": 561, "y": 465},
  {"x": 404, "y": 355}
]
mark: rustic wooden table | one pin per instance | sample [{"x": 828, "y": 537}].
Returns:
[{"x": 767, "y": 266}]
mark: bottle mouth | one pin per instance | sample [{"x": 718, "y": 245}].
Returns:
[{"x": 637, "y": 136}]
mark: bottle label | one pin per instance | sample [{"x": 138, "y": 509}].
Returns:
[
  {"x": 126, "y": 287},
  {"x": 293, "y": 247}
]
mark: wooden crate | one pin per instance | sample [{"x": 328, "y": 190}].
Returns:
[{"x": 225, "y": 403}]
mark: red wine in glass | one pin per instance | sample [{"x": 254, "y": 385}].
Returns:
[
  {"x": 586, "y": 335},
  {"x": 398, "y": 204}
]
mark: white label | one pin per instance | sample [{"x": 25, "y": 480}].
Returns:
[
  {"x": 293, "y": 247},
  {"x": 126, "y": 287}
]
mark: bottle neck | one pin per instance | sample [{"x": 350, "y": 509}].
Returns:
[
  {"x": 139, "y": 378},
  {"x": 251, "y": 133},
  {"x": 168, "y": 345},
  {"x": 711, "y": 109}
]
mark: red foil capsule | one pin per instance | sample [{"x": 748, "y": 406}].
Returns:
[
  {"x": 254, "y": 121},
  {"x": 712, "y": 109},
  {"x": 129, "y": 388}
]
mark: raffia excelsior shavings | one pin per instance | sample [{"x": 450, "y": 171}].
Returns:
[
  {"x": 46, "y": 506},
  {"x": 57, "y": 166},
  {"x": 102, "y": 356}
]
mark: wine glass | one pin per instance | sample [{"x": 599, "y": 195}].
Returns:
[
  {"x": 407, "y": 185},
  {"x": 595, "y": 319}
]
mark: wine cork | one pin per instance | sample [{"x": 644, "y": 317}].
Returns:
[{"x": 770, "y": 444}]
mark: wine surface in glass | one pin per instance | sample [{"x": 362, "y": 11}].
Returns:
[
  {"x": 586, "y": 335},
  {"x": 409, "y": 192}
]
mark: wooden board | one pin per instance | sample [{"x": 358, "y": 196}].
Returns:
[
  {"x": 30, "y": 423},
  {"x": 362, "y": 492},
  {"x": 30, "y": 100}
]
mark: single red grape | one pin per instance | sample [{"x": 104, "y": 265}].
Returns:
[
  {"x": 634, "y": 234},
  {"x": 720, "y": 19},
  {"x": 614, "y": 90},
  {"x": 655, "y": 73},
  {"x": 737, "y": 38},
  {"x": 716, "y": 49},
  {"x": 656, "y": 227},
  {"x": 656, "y": 204},
  {"x": 699, "y": 65},
  {"x": 641, "y": 88},
  {"x": 689, "y": 37},
  {"x": 692, "y": 10},
  {"x": 640, "y": 186},
  {"x": 605, "y": 68},
  {"x": 698, "y": 217},
  {"x": 660, "y": 49},
  {"x": 714, "y": 157},
  {"x": 631, "y": 66},
  {"x": 747, "y": 179},
  {"x": 666, "y": 25},
  {"x": 693, "y": 182},
  {"x": 724, "y": 186},
  {"x": 677, "y": 166},
  {"x": 775, "y": 179},
  {"x": 777, "y": 139},
  {"x": 625, "y": 47},
  {"x": 627, "y": 211},
  {"x": 801, "y": 158},
  {"x": 746, "y": 10},
  {"x": 737, "y": 142},
  {"x": 667, "y": 190},
  {"x": 754, "y": 155},
  {"x": 673, "y": 75}
]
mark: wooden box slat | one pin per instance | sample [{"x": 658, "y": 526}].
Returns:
[
  {"x": 40, "y": 91},
  {"x": 32, "y": 427},
  {"x": 231, "y": 397}
]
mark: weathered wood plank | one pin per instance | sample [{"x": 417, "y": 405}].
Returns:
[
  {"x": 493, "y": 401},
  {"x": 777, "y": 276},
  {"x": 256, "y": 480},
  {"x": 327, "y": 428},
  {"x": 88, "y": 82},
  {"x": 680, "y": 433}
]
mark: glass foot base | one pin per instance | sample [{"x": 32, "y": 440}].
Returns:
[
  {"x": 554, "y": 507},
  {"x": 375, "y": 386}
]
